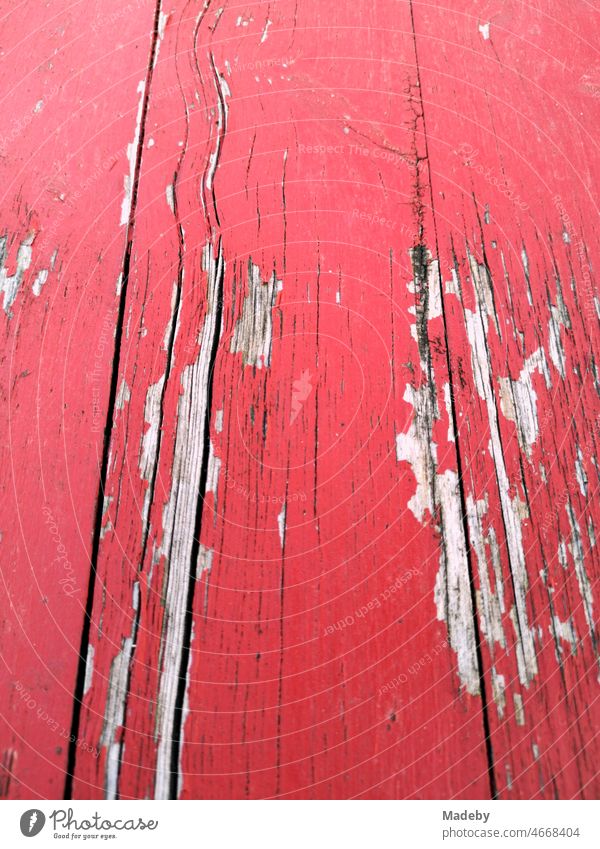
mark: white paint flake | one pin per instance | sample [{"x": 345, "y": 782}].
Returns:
[
  {"x": 453, "y": 586},
  {"x": 264, "y": 35},
  {"x": 89, "y": 669},
  {"x": 123, "y": 395},
  {"x": 489, "y": 603},
  {"x": 149, "y": 442},
  {"x": 417, "y": 448},
  {"x": 114, "y": 712},
  {"x": 555, "y": 346},
  {"x": 254, "y": 329},
  {"x": 513, "y": 510},
  {"x": 580, "y": 474},
  {"x": 39, "y": 282},
  {"x": 498, "y": 688},
  {"x": 484, "y": 29},
  {"x": 281, "y": 525},
  {"x": 170, "y": 193},
  {"x": 564, "y": 631},
  {"x": 131, "y": 158},
  {"x": 213, "y": 471},
  {"x": 448, "y": 404},
  {"x": 519, "y": 709},
  {"x": 519, "y": 400},
  {"x": 10, "y": 285},
  {"x": 163, "y": 17},
  {"x": 585, "y": 587}
]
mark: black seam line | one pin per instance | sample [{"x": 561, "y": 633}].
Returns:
[
  {"x": 89, "y": 604},
  {"x": 480, "y": 666},
  {"x": 189, "y": 611}
]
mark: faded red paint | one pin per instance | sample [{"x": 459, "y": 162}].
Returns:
[{"x": 350, "y": 372}]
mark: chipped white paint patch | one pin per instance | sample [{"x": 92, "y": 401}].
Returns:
[
  {"x": 489, "y": 603},
  {"x": 591, "y": 532},
  {"x": 281, "y": 525},
  {"x": 585, "y": 587},
  {"x": 131, "y": 157},
  {"x": 438, "y": 494},
  {"x": 580, "y": 474},
  {"x": 518, "y": 399},
  {"x": 213, "y": 471},
  {"x": 89, "y": 669},
  {"x": 452, "y": 286},
  {"x": 149, "y": 442},
  {"x": 265, "y": 33},
  {"x": 123, "y": 395},
  {"x": 484, "y": 29},
  {"x": 179, "y": 518},
  {"x": 163, "y": 17},
  {"x": 114, "y": 712},
  {"x": 562, "y": 553},
  {"x": 39, "y": 282},
  {"x": 253, "y": 331},
  {"x": 219, "y": 421},
  {"x": 484, "y": 289},
  {"x": 555, "y": 346},
  {"x": 448, "y": 404},
  {"x": 10, "y": 285},
  {"x": 564, "y": 631},
  {"x": 223, "y": 112},
  {"x": 519, "y": 709},
  {"x": 498, "y": 687},
  {"x": 170, "y": 193},
  {"x": 513, "y": 510},
  {"x": 417, "y": 448},
  {"x": 452, "y": 588}
]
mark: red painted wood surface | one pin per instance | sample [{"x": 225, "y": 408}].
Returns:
[{"x": 301, "y": 391}]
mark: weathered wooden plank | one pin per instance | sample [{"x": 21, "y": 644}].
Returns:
[
  {"x": 266, "y": 436},
  {"x": 69, "y": 104},
  {"x": 514, "y": 225},
  {"x": 348, "y": 324}
]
